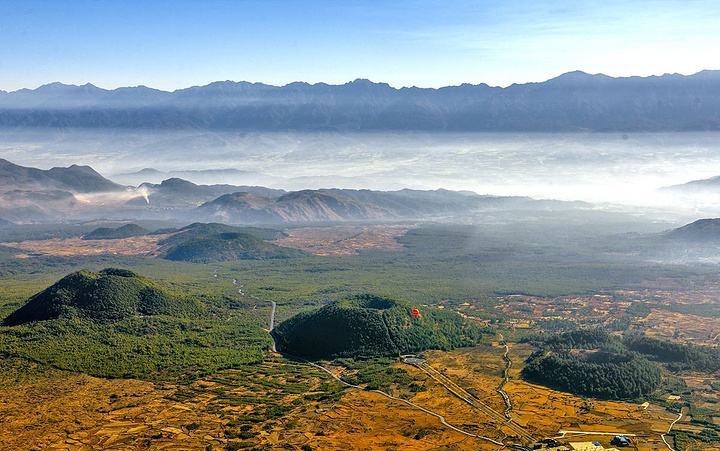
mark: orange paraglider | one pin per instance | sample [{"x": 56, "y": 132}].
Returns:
[{"x": 415, "y": 313}]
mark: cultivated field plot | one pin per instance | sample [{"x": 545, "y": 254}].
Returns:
[
  {"x": 344, "y": 240},
  {"x": 146, "y": 245},
  {"x": 682, "y": 327},
  {"x": 278, "y": 403},
  {"x": 541, "y": 411}
]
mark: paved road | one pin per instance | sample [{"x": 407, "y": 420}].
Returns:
[
  {"x": 271, "y": 321},
  {"x": 271, "y": 325},
  {"x": 563, "y": 433}
]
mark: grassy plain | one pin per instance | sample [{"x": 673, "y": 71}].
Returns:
[{"x": 210, "y": 381}]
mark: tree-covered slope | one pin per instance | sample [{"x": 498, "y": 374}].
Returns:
[
  {"x": 110, "y": 294},
  {"x": 228, "y": 246},
  {"x": 204, "y": 243},
  {"x": 109, "y": 233},
  {"x": 592, "y": 363},
  {"x": 367, "y": 325}
]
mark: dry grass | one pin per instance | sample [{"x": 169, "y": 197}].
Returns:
[
  {"x": 344, "y": 240},
  {"x": 545, "y": 412},
  {"x": 60, "y": 410},
  {"x": 682, "y": 327},
  {"x": 70, "y": 247}
]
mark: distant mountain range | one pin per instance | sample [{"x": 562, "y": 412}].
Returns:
[
  {"x": 175, "y": 192},
  {"x": 708, "y": 185},
  {"x": 79, "y": 192},
  {"x": 572, "y": 101},
  {"x": 339, "y": 205},
  {"x": 200, "y": 176}
]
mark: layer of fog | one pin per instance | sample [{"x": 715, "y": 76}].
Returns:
[{"x": 605, "y": 168}]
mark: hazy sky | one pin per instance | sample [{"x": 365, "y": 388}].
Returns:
[{"x": 172, "y": 44}]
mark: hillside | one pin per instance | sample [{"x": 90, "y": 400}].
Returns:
[
  {"x": 569, "y": 102},
  {"x": 366, "y": 325},
  {"x": 204, "y": 243},
  {"x": 31, "y": 194},
  {"x": 176, "y": 192},
  {"x": 110, "y": 294},
  {"x": 228, "y": 247},
  {"x": 708, "y": 185},
  {"x": 592, "y": 363},
  {"x": 700, "y": 231},
  {"x": 198, "y": 176},
  {"x": 337, "y": 205},
  {"x": 108, "y": 233},
  {"x": 78, "y": 179}
]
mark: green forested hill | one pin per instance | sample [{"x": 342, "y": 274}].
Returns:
[
  {"x": 592, "y": 362},
  {"x": 205, "y": 243},
  {"x": 108, "y": 233},
  {"x": 368, "y": 325},
  {"x": 110, "y": 294},
  {"x": 229, "y": 246}
]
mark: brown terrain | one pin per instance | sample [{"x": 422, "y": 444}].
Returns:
[
  {"x": 146, "y": 245},
  {"x": 344, "y": 240},
  {"x": 327, "y": 241},
  {"x": 288, "y": 405},
  {"x": 682, "y": 327},
  {"x": 58, "y": 410},
  {"x": 541, "y": 411}
]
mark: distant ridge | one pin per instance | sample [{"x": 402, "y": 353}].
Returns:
[
  {"x": 572, "y": 101},
  {"x": 74, "y": 178},
  {"x": 700, "y": 231}
]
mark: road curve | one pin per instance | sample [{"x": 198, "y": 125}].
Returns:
[
  {"x": 506, "y": 378},
  {"x": 669, "y": 429},
  {"x": 409, "y": 403}
]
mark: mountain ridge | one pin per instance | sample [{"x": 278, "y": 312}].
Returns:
[
  {"x": 365, "y": 81},
  {"x": 574, "y": 101}
]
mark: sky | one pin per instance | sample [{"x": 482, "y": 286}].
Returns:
[{"x": 428, "y": 43}]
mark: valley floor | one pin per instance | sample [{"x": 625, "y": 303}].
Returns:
[{"x": 282, "y": 403}]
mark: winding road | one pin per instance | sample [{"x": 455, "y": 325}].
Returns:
[
  {"x": 472, "y": 400},
  {"x": 451, "y": 386},
  {"x": 680, "y": 415},
  {"x": 271, "y": 326},
  {"x": 506, "y": 377}
]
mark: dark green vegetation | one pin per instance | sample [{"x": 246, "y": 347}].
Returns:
[
  {"x": 107, "y": 233},
  {"x": 280, "y": 392},
  {"x": 378, "y": 373},
  {"x": 454, "y": 263},
  {"x": 205, "y": 243},
  {"x": 115, "y": 323},
  {"x": 111, "y": 294},
  {"x": 676, "y": 356},
  {"x": 368, "y": 325},
  {"x": 592, "y": 363},
  {"x": 154, "y": 347}
]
